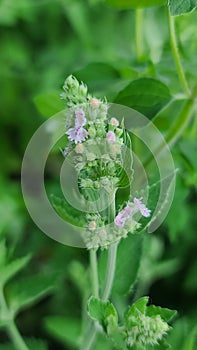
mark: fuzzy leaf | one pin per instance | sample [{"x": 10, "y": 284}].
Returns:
[
  {"x": 28, "y": 291},
  {"x": 67, "y": 330},
  {"x": 146, "y": 95},
  {"x": 104, "y": 312},
  {"x": 49, "y": 104},
  {"x": 123, "y": 4},
  {"x": 12, "y": 268},
  {"x": 179, "y": 7}
]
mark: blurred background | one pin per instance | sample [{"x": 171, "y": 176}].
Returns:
[{"x": 41, "y": 43}]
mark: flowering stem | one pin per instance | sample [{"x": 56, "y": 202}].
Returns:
[
  {"x": 112, "y": 252},
  {"x": 12, "y": 330},
  {"x": 176, "y": 55},
  {"x": 111, "y": 268},
  {"x": 94, "y": 273},
  {"x": 139, "y": 33}
]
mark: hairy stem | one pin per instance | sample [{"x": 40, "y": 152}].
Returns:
[
  {"x": 176, "y": 55},
  {"x": 94, "y": 273},
  {"x": 139, "y": 33},
  {"x": 112, "y": 252},
  {"x": 111, "y": 268},
  {"x": 11, "y": 328}
]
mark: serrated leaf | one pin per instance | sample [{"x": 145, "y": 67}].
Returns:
[
  {"x": 67, "y": 330},
  {"x": 103, "y": 312},
  {"x": 67, "y": 212},
  {"x": 28, "y": 291},
  {"x": 12, "y": 268},
  {"x": 179, "y": 7},
  {"x": 166, "y": 314},
  {"x": 49, "y": 104},
  {"x": 123, "y": 4},
  {"x": 146, "y": 95},
  {"x": 127, "y": 264}
]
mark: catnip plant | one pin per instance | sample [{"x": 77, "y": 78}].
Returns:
[{"x": 99, "y": 148}]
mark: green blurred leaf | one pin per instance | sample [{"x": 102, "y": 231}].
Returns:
[
  {"x": 146, "y": 95},
  {"x": 3, "y": 253},
  {"x": 49, "y": 104},
  {"x": 127, "y": 264},
  {"x": 28, "y": 291},
  {"x": 179, "y": 7},
  {"x": 135, "y": 3},
  {"x": 67, "y": 330},
  {"x": 33, "y": 344},
  {"x": 12, "y": 268}
]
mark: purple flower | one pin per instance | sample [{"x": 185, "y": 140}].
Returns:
[
  {"x": 122, "y": 216},
  {"x": 139, "y": 206},
  {"x": 126, "y": 213},
  {"x": 80, "y": 119},
  {"x": 77, "y": 134},
  {"x": 111, "y": 137}
]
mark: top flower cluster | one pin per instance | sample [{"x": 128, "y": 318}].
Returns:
[{"x": 98, "y": 144}]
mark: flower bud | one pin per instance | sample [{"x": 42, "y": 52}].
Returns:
[
  {"x": 92, "y": 225},
  {"x": 94, "y": 103}
]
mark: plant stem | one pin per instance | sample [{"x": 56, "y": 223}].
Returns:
[
  {"x": 176, "y": 55},
  {"x": 111, "y": 268},
  {"x": 94, "y": 273},
  {"x": 112, "y": 252},
  {"x": 139, "y": 33},
  {"x": 15, "y": 336},
  {"x": 11, "y": 328}
]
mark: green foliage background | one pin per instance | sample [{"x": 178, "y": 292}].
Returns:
[{"x": 41, "y": 43}]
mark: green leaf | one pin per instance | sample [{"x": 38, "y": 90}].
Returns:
[
  {"x": 28, "y": 291},
  {"x": 33, "y": 344},
  {"x": 3, "y": 253},
  {"x": 98, "y": 76},
  {"x": 139, "y": 305},
  {"x": 102, "y": 311},
  {"x": 166, "y": 314},
  {"x": 67, "y": 330},
  {"x": 146, "y": 95},
  {"x": 49, "y": 104},
  {"x": 126, "y": 174},
  {"x": 8, "y": 271},
  {"x": 179, "y": 7},
  {"x": 67, "y": 212},
  {"x": 123, "y": 4},
  {"x": 127, "y": 264}
]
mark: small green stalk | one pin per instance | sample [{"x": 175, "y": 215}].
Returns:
[
  {"x": 176, "y": 55},
  {"x": 139, "y": 34},
  {"x": 11, "y": 328}
]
